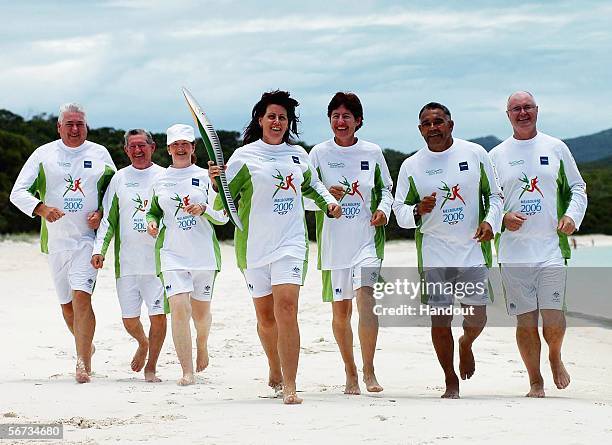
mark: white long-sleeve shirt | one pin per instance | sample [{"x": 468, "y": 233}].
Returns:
[
  {"x": 271, "y": 181},
  {"x": 467, "y": 193},
  {"x": 71, "y": 179},
  {"x": 126, "y": 203},
  {"x": 185, "y": 242},
  {"x": 540, "y": 179},
  {"x": 362, "y": 170}
]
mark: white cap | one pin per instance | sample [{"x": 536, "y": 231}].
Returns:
[{"x": 180, "y": 132}]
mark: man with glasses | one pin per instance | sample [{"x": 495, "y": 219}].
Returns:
[
  {"x": 544, "y": 202},
  {"x": 448, "y": 192},
  {"x": 69, "y": 176},
  {"x": 126, "y": 204}
]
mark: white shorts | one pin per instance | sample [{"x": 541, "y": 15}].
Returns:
[
  {"x": 132, "y": 290},
  {"x": 199, "y": 283},
  {"x": 341, "y": 284},
  {"x": 468, "y": 285},
  {"x": 532, "y": 286},
  {"x": 287, "y": 270},
  {"x": 72, "y": 270}
]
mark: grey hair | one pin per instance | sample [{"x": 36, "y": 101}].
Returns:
[
  {"x": 521, "y": 91},
  {"x": 136, "y": 132},
  {"x": 71, "y": 107}
]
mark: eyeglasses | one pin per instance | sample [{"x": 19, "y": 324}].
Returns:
[
  {"x": 526, "y": 109},
  {"x": 135, "y": 146}
]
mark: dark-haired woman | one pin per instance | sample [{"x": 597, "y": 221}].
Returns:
[
  {"x": 351, "y": 248},
  {"x": 271, "y": 176}
]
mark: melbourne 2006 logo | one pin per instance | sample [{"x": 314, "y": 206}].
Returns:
[
  {"x": 350, "y": 209},
  {"x": 283, "y": 205},
  {"x": 452, "y": 215},
  {"x": 73, "y": 202},
  {"x": 140, "y": 206},
  {"x": 532, "y": 205},
  {"x": 184, "y": 222}
]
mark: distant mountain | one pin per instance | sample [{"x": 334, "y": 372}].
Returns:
[
  {"x": 593, "y": 147},
  {"x": 488, "y": 142}
]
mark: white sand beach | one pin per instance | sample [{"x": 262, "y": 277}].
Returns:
[{"x": 232, "y": 404}]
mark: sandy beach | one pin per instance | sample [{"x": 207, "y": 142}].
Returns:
[{"x": 232, "y": 404}]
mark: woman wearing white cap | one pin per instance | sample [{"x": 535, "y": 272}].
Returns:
[
  {"x": 271, "y": 177},
  {"x": 187, "y": 251}
]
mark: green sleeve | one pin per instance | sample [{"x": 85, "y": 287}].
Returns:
[
  {"x": 309, "y": 191},
  {"x": 155, "y": 212}
]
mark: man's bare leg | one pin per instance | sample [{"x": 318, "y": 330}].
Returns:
[
  {"x": 285, "y": 311},
  {"x": 68, "y": 314},
  {"x": 529, "y": 345},
  {"x": 84, "y": 327},
  {"x": 341, "y": 326},
  {"x": 472, "y": 327},
  {"x": 180, "y": 309},
  {"x": 268, "y": 335},
  {"x": 442, "y": 338},
  {"x": 368, "y": 335},
  {"x": 157, "y": 335},
  {"x": 553, "y": 322},
  {"x": 133, "y": 326},
  {"x": 202, "y": 319}
]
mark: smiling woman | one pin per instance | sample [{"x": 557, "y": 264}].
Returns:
[
  {"x": 351, "y": 249},
  {"x": 272, "y": 177},
  {"x": 181, "y": 217}
]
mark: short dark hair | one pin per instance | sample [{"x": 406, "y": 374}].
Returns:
[
  {"x": 350, "y": 101},
  {"x": 435, "y": 106},
  {"x": 253, "y": 131}
]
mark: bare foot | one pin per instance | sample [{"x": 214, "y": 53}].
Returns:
[
  {"x": 151, "y": 377},
  {"x": 467, "y": 365},
  {"x": 275, "y": 381},
  {"x": 536, "y": 391},
  {"x": 560, "y": 374},
  {"x": 452, "y": 389},
  {"x": 291, "y": 398},
  {"x": 352, "y": 385},
  {"x": 81, "y": 375},
  {"x": 140, "y": 357},
  {"x": 372, "y": 384},
  {"x": 202, "y": 358},
  {"x": 186, "y": 380}
]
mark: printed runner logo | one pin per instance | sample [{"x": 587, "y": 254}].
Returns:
[
  {"x": 73, "y": 185},
  {"x": 285, "y": 183},
  {"x": 451, "y": 193},
  {"x": 350, "y": 188},
  {"x": 181, "y": 202},
  {"x": 140, "y": 204},
  {"x": 530, "y": 186}
]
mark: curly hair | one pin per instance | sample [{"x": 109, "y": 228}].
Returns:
[{"x": 253, "y": 130}]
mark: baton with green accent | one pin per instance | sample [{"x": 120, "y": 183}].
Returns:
[{"x": 213, "y": 148}]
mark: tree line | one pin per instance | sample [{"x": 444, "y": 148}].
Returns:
[{"x": 19, "y": 137}]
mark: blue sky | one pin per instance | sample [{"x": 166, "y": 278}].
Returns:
[{"x": 125, "y": 61}]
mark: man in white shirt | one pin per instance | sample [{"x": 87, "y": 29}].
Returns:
[
  {"x": 126, "y": 202},
  {"x": 453, "y": 232},
  {"x": 545, "y": 201},
  {"x": 70, "y": 176}
]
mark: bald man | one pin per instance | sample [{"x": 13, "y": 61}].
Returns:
[{"x": 545, "y": 201}]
